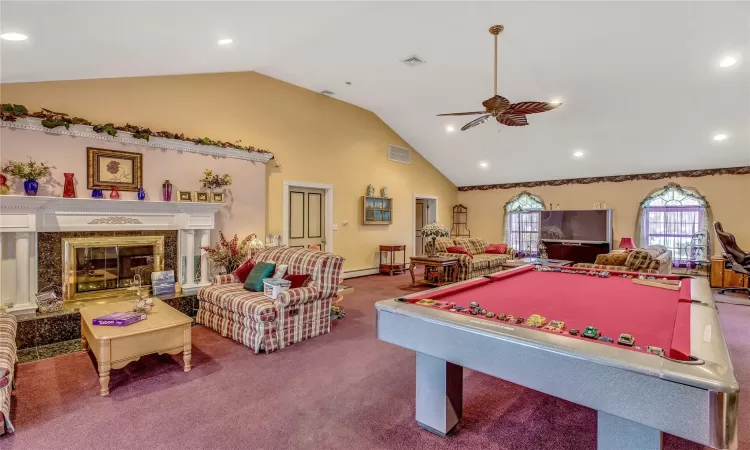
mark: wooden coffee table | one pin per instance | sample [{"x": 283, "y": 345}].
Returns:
[
  {"x": 439, "y": 262},
  {"x": 166, "y": 330}
]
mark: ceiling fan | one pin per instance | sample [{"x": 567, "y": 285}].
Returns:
[{"x": 505, "y": 112}]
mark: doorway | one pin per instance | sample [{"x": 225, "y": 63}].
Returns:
[
  {"x": 308, "y": 215},
  {"x": 425, "y": 211}
]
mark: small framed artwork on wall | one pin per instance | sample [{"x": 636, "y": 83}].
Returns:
[
  {"x": 184, "y": 196},
  {"x": 108, "y": 168},
  {"x": 201, "y": 197},
  {"x": 217, "y": 197}
]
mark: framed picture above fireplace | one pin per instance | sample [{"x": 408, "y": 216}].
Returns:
[{"x": 108, "y": 168}]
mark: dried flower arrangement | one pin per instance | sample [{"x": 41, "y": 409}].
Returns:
[
  {"x": 51, "y": 119},
  {"x": 212, "y": 181},
  {"x": 229, "y": 254},
  {"x": 31, "y": 170}
]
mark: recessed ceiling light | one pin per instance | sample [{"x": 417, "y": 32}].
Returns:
[
  {"x": 449, "y": 128},
  {"x": 484, "y": 164},
  {"x": 728, "y": 62},
  {"x": 13, "y": 37},
  {"x": 226, "y": 41},
  {"x": 720, "y": 137},
  {"x": 578, "y": 153}
]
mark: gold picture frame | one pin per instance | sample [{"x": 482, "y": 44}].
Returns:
[
  {"x": 113, "y": 168},
  {"x": 217, "y": 197},
  {"x": 184, "y": 196},
  {"x": 201, "y": 197}
]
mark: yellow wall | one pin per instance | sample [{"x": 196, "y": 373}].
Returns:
[
  {"x": 315, "y": 139},
  {"x": 729, "y": 196}
]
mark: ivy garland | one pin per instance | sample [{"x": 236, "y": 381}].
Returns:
[{"x": 51, "y": 119}]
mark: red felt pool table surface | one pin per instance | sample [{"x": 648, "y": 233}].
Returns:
[{"x": 654, "y": 316}]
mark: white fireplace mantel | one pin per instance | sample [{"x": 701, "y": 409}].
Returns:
[{"x": 22, "y": 217}]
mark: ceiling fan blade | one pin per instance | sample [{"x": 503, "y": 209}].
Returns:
[
  {"x": 531, "y": 107},
  {"x": 497, "y": 103},
  {"x": 464, "y": 113},
  {"x": 475, "y": 122},
  {"x": 513, "y": 120}
]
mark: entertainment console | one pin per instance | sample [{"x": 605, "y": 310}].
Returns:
[{"x": 576, "y": 235}]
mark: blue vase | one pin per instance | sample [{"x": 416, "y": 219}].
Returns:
[
  {"x": 31, "y": 187},
  {"x": 141, "y": 194},
  {"x": 97, "y": 193}
]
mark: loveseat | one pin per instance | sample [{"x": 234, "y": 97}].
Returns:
[
  {"x": 265, "y": 324},
  {"x": 652, "y": 259},
  {"x": 8, "y": 326},
  {"x": 479, "y": 263}
]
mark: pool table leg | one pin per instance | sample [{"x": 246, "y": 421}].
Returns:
[
  {"x": 439, "y": 394},
  {"x": 616, "y": 433}
]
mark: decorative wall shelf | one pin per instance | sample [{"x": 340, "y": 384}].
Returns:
[{"x": 34, "y": 124}]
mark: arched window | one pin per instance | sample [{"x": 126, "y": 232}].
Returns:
[
  {"x": 678, "y": 218},
  {"x": 522, "y": 222}
]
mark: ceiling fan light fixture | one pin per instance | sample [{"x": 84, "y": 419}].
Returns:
[{"x": 555, "y": 101}]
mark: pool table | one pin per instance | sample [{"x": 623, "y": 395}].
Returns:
[{"x": 677, "y": 376}]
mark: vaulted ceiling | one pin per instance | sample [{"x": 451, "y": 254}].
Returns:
[{"x": 641, "y": 84}]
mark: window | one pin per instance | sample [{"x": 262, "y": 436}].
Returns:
[
  {"x": 677, "y": 218},
  {"x": 522, "y": 223}
]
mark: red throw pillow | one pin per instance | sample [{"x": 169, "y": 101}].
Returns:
[
  {"x": 498, "y": 249},
  {"x": 244, "y": 270},
  {"x": 457, "y": 249},
  {"x": 297, "y": 280}
]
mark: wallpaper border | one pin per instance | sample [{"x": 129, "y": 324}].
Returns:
[{"x": 742, "y": 170}]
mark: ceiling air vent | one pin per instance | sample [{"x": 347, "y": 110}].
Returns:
[
  {"x": 399, "y": 154},
  {"x": 327, "y": 92},
  {"x": 413, "y": 60}
]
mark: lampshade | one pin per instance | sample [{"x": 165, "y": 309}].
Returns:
[
  {"x": 627, "y": 243},
  {"x": 436, "y": 230}
]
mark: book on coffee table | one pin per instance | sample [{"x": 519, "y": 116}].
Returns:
[{"x": 119, "y": 319}]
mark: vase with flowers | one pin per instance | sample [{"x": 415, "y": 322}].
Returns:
[
  {"x": 213, "y": 182},
  {"x": 229, "y": 253},
  {"x": 431, "y": 232},
  {"x": 30, "y": 172}
]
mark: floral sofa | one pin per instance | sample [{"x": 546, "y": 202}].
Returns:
[
  {"x": 8, "y": 326},
  {"x": 268, "y": 325},
  {"x": 652, "y": 259},
  {"x": 480, "y": 263}
]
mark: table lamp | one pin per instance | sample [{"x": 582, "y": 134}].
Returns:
[{"x": 627, "y": 243}]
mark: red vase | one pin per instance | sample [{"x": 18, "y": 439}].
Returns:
[
  {"x": 114, "y": 195},
  {"x": 69, "y": 190}
]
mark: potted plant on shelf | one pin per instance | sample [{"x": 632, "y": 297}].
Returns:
[
  {"x": 30, "y": 172},
  {"x": 431, "y": 232},
  {"x": 212, "y": 182},
  {"x": 229, "y": 254}
]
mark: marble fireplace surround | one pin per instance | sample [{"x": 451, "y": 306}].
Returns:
[{"x": 29, "y": 225}]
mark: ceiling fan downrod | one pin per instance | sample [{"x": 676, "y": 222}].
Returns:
[{"x": 495, "y": 30}]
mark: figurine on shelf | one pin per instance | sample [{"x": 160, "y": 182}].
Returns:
[
  {"x": 4, "y": 188},
  {"x": 370, "y": 190},
  {"x": 384, "y": 192}
]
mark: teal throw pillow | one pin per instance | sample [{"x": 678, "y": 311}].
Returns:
[{"x": 254, "y": 281}]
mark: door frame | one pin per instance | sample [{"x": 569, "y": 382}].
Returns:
[
  {"x": 328, "y": 189},
  {"x": 414, "y": 218}
]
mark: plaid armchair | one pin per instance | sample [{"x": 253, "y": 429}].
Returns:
[
  {"x": 8, "y": 327},
  {"x": 480, "y": 263},
  {"x": 652, "y": 259},
  {"x": 261, "y": 323}
]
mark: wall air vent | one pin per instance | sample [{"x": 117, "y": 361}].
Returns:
[
  {"x": 413, "y": 60},
  {"x": 399, "y": 154},
  {"x": 327, "y": 92}
]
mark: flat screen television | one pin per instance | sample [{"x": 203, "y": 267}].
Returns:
[{"x": 590, "y": 225}]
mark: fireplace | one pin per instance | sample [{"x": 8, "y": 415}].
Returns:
[{"x": 96, "y": 267}]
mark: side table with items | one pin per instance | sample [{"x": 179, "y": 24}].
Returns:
[
  {"x": 390, "y": 266},
  {"x": 435, "y": 268}
]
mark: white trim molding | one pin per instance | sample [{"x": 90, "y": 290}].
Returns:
[
  {"x": 328, "y": 189},
  {"x": 414, "y": 218},
  {"x": 34, "y": 124}
]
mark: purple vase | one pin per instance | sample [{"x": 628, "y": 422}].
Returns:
[
  {"x": 31, "y": 187},
  {"x": 166, "y": 190}
]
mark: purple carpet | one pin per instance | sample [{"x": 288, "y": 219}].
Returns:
[{"x": 344, "y": 390}]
